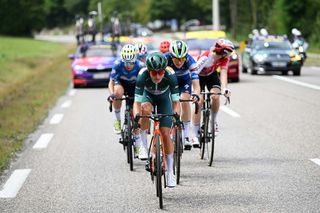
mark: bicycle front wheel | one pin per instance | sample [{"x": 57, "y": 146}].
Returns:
[
  {"x": 159, "y": 168},
  {"x": 129, "y": 141},
  {"x": 210, "y": 145},
  {"x": 178, "y": 153},
  {"x": 204, "y": 135}
]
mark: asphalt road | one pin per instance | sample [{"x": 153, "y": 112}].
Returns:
[{"x": 262, "y": 161}]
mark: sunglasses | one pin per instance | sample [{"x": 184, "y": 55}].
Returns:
[
  {"x": 129, "y": 63},
  {"x": 154, "y": 73},
  {"x": 177, "y": 60}
]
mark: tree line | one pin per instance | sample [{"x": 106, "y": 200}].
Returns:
[{"x": 22, "y": 17}]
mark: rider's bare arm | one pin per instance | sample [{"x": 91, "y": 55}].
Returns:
[{"x": 111, "y": 87}]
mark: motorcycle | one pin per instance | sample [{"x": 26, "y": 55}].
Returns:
[{"x": 300, "y": 46}]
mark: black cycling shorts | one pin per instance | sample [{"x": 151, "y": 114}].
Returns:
[
  {"x": 128, "y": 89},
  {"x": 210, "y": 81}
]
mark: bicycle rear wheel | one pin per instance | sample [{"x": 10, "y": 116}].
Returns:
[
  {"x": 178, "y": 153},
  {"x": 159, "y": 168}
]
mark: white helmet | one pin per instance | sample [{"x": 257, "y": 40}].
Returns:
[
  {"x": 263, "y": 32},
  {"x": 296, "y": 32},
  {"x": 129, "y": 53},
  {"x": 142, "y": 49}
]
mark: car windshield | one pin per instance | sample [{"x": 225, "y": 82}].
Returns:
[
  {"x": 285, "y": 45},
  {"x": 93, "y": 52},
  {"x": 96, "y": 51},
  {"x": 201, "y": 44}
]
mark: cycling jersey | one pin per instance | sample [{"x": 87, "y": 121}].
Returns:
[
  {"x": 120, "y": 73},
  {"x": 185, "y": 74},
  {"x": 187, "y": 68},
  {"x": 161, "y": 95},
  {"x": 127, "y": 79},
  {"x": 206, "y": 64}
]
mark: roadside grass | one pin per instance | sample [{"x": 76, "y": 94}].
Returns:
[
  {"x": 36, "y": 74},
  {"x": 312, "y": 61}
]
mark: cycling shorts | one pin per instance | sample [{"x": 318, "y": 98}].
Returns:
[
  {"x": 128, "y": 89},
  {"x": 163, "y": 103},
  {"x": 210, "y": 81}
]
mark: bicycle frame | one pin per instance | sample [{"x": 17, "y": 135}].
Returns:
[{"x": 156, "y": 132}]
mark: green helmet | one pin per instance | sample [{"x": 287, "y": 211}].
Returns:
[
  {"x": 156, "y": 61},
  {"x": 178, "y": 49}
]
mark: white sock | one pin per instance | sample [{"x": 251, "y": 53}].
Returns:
[
  {"x": 137, "y": 140},
  {"x": 117, "y": 113},
  {"x": 144, "y": 138},
  {"x": 213, "y": 117},
  {"x": 169, "y": 158},
  {"x": 186, "y": 125},
  {"x": 195, "y": 129}
]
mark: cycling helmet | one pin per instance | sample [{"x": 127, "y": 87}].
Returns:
[
  {"x": 296, "y": 32},
  {"x": 223, "y": 46},
  {"x": 129, "y": 53},
  {"x": 142, "y": 49},
  {"x": 263, "y": 32},
  {"x": 156, "y": 61},
  {"x": 164, "y": 46},
  {"x": 178, "y": 49}
]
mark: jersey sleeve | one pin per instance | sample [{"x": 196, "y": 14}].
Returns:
[
  {"x": 225, "y": 63},
  {"x": 114, "y": 72},
  {"x": 140, "y": 83},
  {"x": 173, "y": 82}
]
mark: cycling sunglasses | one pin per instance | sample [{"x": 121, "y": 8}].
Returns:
[
  {"x": 129, "y": 63},
  {"x": 177, "y": 60},
  {"x": 154, "y": 73}
]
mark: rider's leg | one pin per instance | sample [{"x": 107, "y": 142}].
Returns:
[
  {"x": 118, "y": 92},
  {"x": 185, "y": 113},
  {"x": 215, "y": 105},
  {"x": 168, "y": 145},
  {"x": 141, "y": 137},
  {"x": 196, "y": 119}
]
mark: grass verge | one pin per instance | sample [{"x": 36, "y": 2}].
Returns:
[{"x": 30, "y": 90}]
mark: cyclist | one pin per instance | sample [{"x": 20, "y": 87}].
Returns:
[
  {"x": 209, "y": 64},
  {"x": 79, "y": 30},
  {"x": 142, "y": 51},
  {"x": 157, "y": 84},
  {"x": 184, "y": 66},
  {"x": 92, "y": 25},
  {"x": 122, "y": 80},
  {"x": 164, "y": 46}
]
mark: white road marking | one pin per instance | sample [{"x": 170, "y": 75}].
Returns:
[
  {"x": 297, "y": 82},
  {"x": 56, "y": 119},
  {"x": 229, "y": 111},
  {"x": 66, "y": 104},
  {"x": 72, "y": 92},
  {"x": 14, "y": 183},
  {"x": 43, "y": 141},
  {"x": 316, "y": 161}
]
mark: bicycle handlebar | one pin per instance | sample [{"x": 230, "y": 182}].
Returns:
[
  {"x": 157, "y": 117},
  {"x": 217, "y": 93},
  {"x": 126, "y": 97},
  {"x": 195, "y": 103}
]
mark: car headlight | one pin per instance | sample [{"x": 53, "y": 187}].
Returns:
[
  {"x": 79, "y": 69},
  {"x": 259, "y": 57},
  {"x": 234, "y": 56}
]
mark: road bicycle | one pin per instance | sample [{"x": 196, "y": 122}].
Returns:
[
  {"x": 126, "y": 138},
  {"x": 207, "y": 132},
  {"x": 176, "y": 133},
  {"x": 157, "y": 165}
]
